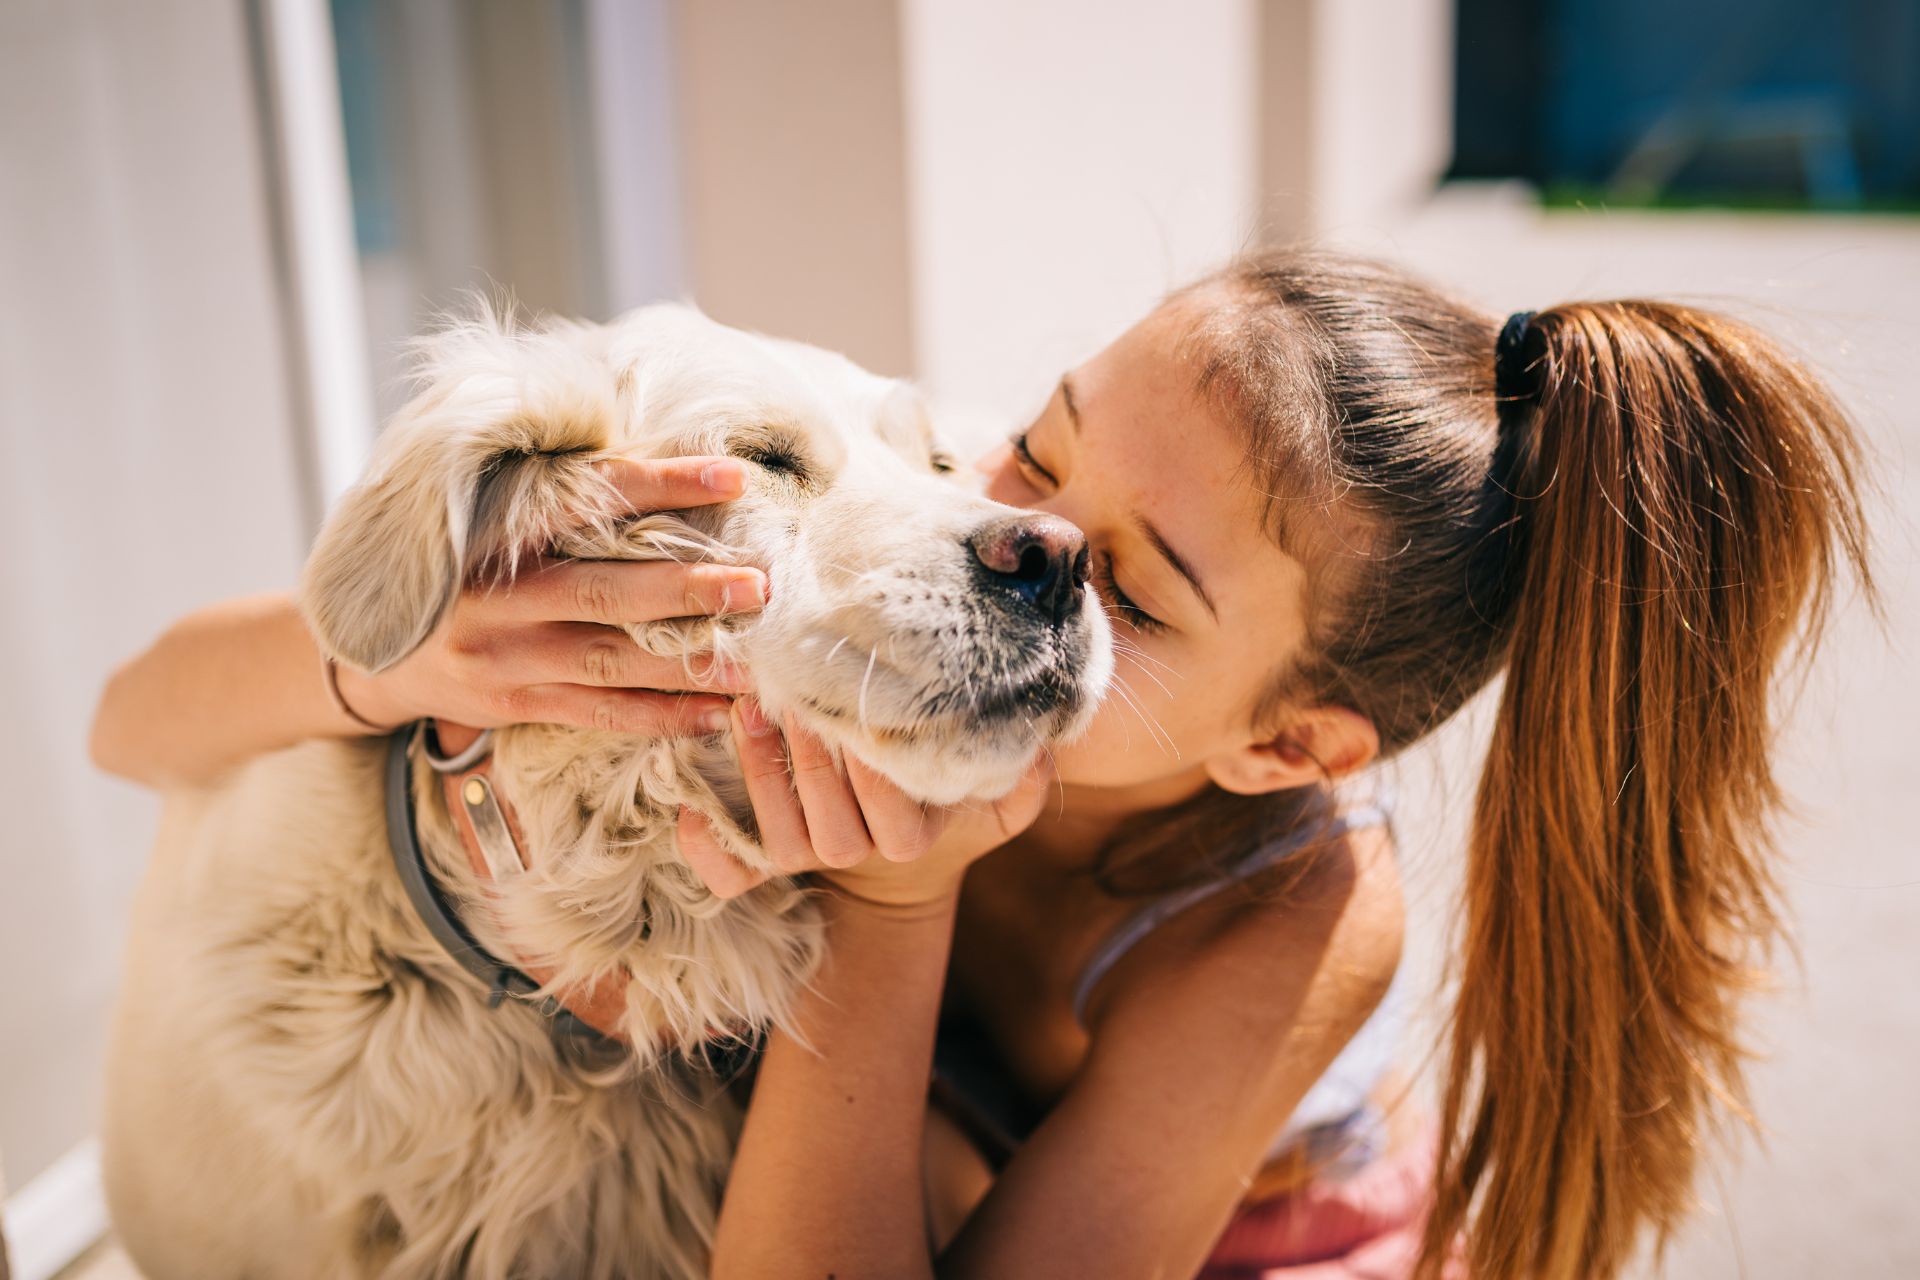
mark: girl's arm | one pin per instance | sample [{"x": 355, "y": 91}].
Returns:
[
  {"x": 222, "y": 684},
  {"x": 244, "y": 677},
  {"x": 831, "y": 1150},
  {"x": 1205, "y": 1040}
]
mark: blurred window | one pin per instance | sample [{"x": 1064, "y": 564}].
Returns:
[{"x": 1769, "y": 103}]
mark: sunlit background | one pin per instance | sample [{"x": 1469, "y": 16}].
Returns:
[{"x": 221, "y": 219}]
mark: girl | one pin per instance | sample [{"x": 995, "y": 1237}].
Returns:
[{"x": 1327, "y": 504}]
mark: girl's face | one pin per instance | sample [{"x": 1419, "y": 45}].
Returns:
[{"x": 1205, "y": 605}]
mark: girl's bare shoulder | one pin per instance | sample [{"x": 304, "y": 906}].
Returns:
[{"x": 1306, "y": 947}]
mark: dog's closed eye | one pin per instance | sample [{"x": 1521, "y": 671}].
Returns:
[
  {"x": 776, "y": 452},
  {"x": 773, "y": 459}
]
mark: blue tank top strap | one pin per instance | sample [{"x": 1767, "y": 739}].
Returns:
[{"x": 1371, "y": 808}]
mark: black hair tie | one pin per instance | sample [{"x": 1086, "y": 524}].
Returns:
[
  {"x": 1518, "y": 361},
  {"x": 1519, "y": 373}
]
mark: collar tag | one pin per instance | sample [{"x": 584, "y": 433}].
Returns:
[{"x": 490, "y": 830}]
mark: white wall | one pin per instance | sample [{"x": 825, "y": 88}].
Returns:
[
  {"x": 150, "y": 467},
  {"x": 1068, "y": 163},
  {"x": 1356, "y": 111},
  {"x": 1382, "y": 124},
  {"x": 792, "y": 163}
]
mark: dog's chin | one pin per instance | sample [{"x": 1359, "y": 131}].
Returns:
[
  {"x": 971, "y": 767},
  {"x": 979, "y": 755}
]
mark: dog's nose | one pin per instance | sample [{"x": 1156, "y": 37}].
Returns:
[{"x": 1043, "y": 559}]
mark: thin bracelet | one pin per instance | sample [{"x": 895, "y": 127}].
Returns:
[{"x": 332, "y": 667}]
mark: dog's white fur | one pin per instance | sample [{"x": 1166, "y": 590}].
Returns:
[{"x": 301, "y": 1082}]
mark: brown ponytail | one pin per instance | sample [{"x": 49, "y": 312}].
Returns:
[
  {"x": 1681, "y": 492},
  {"x": 1641, "y": 545}
]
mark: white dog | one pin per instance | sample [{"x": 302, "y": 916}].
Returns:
[{"x": 303, "y": 1080}]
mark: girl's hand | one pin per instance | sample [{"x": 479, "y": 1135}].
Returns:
[
  {"x": 549, "y": 648},
  {"x": 817, "y": 816}
]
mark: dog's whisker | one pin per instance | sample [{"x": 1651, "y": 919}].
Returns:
[
  {"x": 873, "y": 656},
  {"x": 1133, "y": 650},
  {"x": 1132, "y": 703},
  {"x": 1140, "y": 656},
  {"x": 1158, "y": 684}
]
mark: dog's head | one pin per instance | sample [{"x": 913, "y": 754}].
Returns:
[{"x": 937, "y": 635}]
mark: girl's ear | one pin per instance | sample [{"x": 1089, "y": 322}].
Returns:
[{"x": 1316, "y": 744}]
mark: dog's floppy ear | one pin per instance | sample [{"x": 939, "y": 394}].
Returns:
[
  {"x": 385, "y": 566},
  {"x": 486, "y": 464}
]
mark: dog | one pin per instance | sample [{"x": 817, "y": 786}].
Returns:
[{"x": 303, "y": 1079}]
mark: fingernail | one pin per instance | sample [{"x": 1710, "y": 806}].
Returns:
[
  {"x": 753, "y": 586},
  {"x": 732, "y": 675},
  {"x": 753, "y": 718},
  {"x": 714, "y": 720},
  {"x": 726, "y": 477}
]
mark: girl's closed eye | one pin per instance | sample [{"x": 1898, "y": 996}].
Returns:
[
  {"x": 1124, "y": 605},
  {"x": 1023, "y": 457}
]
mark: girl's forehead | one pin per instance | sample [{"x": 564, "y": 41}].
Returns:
[{"x": 1172, "y": 455}]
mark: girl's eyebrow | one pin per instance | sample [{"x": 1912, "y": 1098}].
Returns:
[
  {"x": 1155, "y": 539},
  {"x": 1073, "y": 409}
]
